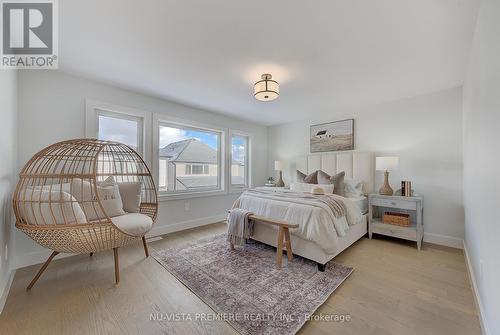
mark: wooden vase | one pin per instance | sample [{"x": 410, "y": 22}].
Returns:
[
  {"x": 280, "y": 182},
  {"x": 386, "y": 188}
]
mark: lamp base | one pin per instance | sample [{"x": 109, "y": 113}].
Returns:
[
  {"x": 280, "y": 182},
  {"x": 386, "y": 188}
]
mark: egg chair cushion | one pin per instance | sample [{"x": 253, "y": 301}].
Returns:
[
  {"x": 44, "y": 206},
  {"x": 130, "y": 193},
  {"x": 133, "y": 223},
  {"x": 108, "y": 193}
]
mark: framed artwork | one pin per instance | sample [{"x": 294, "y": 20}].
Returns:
[{"x": 332, "y": 136}]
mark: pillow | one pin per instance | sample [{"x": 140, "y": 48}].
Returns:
[
  {"x": 63, "y": 208},
  {"x": 337, "y": 180},
  {"x": 353, "y": 188},
  {"x": 311, "y": 178},
  {"x": 305, "y": 187},
  {"x": 108, "y": 193},
  {"x": 130, "y": 193}
]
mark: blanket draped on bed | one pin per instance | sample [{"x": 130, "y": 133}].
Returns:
[
  {"x": 338, "y": 207},
  {"x": 321, "y": 218}
]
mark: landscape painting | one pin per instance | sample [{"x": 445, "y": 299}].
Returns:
[{"x": 333, "y": 136}]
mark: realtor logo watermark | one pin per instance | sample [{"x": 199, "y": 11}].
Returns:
[{"x": 29, "y": 34}]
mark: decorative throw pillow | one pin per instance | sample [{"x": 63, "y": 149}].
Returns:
[
  {"x": 130, "y": 193},
  {"x": 323, "y": 177},
  {"x": 311, "y": 178},
  {"x": 353, "y": 188},
  {"x": 338, "y": 181},
  {"x": 108, "y": 193},
  {"x": 49, "y": 206}
]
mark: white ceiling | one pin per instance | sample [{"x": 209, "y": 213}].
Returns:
[{"x": 328, "y": 55}]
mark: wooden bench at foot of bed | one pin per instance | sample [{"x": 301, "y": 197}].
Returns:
[{"x": 283, "y": 237}]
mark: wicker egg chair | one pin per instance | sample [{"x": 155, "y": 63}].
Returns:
[{"x": 61, "y": 201}]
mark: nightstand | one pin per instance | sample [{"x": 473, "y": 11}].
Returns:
[{"x": 378, "y": 204}]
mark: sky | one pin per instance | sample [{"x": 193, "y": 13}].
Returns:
[
  {"x": 125, "y": 131},
  {"x": 119, "y": 130}
]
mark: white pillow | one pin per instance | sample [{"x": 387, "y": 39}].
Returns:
[
  {"x": 304, "y": 187},
  {"x": 130, "y": 193},
  {"x": 35, "y": 207},
  {"x": 108, "y": 193},
  {"x": 353, "y": 188}
]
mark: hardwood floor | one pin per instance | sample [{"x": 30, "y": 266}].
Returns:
[{"x": 394, "y": 290}]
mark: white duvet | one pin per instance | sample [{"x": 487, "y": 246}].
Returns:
[{"x": 316, "y": 221}]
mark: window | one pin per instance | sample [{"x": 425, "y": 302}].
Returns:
[
  {"x": 120, "y": 128},
  {"x": 192, "y": 169},
  {"x": 190, "y": 158},
  {"x": 239, "y": 161}
]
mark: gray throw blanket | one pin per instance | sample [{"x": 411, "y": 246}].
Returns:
[
  {"x": 239, "y": 227},
  {"x": 337, "y": 206}
]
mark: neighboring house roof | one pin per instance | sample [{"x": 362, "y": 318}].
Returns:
[{"x": 190, "y": 151}]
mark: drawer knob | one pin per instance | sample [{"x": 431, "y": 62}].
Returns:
[
  {"x": 392, "y": 231},
  {"x": 393, "y": 203}
]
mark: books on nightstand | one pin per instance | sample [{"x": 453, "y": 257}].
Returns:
[{"x": 406, "y": 188}]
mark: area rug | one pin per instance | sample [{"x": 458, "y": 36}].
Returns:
[{"x": 244, "y": 288}]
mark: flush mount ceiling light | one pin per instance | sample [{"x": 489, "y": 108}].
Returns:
[{"x": 266, "y": 89}]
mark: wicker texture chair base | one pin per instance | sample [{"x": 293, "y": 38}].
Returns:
[{"x": 48, "y": 211}]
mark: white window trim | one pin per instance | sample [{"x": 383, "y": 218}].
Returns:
[
  {"x": 94, "y": 108},
  {"x": 159, "y": 119},
  {"x": 248, "y": 169},
  {"x": 150, "y": 144}
]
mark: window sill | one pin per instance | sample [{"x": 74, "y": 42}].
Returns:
[
  {"x": 189, "y": 195},
  {"x": 235, "y": 190}
]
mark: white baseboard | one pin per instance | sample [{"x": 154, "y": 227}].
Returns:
[
  {"x": 447, "y": 241},
  {"x": 475, "y": 291},
  {"x": 171, "y": 228},
  {"x": 6, "y": 289},
  {"x": 38, "y": 257}
]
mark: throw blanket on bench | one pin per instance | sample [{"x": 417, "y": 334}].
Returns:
[{"x": 239, "y": 227}]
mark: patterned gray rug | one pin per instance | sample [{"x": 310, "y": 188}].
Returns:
[{"x": 244, "y": 287}]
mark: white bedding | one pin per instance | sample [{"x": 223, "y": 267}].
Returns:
[
  {"x": 361, "y": 203},
  {"x": 316, "y": 222}
]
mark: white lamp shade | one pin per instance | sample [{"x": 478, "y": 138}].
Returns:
[
  {"x": 386, "y": 163},
  {"x": 279, "y": 165}
]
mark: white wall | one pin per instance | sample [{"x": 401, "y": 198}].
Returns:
[
  {"x": 482, "y": 162},
  {"x": 52, "y": 108},
  {"x": 425, "y": 132},
  {"x": 8, "y": 139}
]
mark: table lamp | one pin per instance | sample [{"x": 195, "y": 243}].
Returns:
[{"x": 386, "y": 164}]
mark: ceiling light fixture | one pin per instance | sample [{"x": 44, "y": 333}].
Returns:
[{"x": 266, "y": 89}]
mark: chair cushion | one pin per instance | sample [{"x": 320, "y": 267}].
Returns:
[{"x": 133, "y": 223}]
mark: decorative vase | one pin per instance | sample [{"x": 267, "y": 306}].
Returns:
[
  {"x": 386, "y": 188},
  {"x": 280, "y": 182}
]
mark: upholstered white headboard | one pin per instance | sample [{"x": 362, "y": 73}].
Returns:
[{"x": 357, "y": 165}]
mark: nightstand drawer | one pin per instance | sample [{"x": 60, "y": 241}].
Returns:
[
  {"x": 394, "y": 203},
  {"x": 407, "y": 233}
]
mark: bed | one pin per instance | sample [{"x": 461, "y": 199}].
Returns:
[{"x": 316, "y": 238}]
